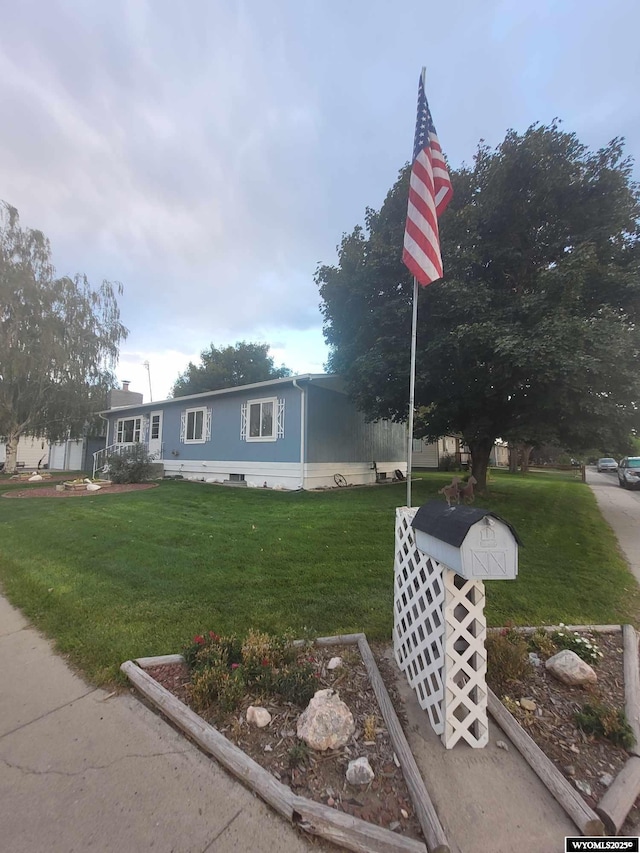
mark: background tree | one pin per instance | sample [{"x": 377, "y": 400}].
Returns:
[
  {"x": 59, "y": 339},
  {"x": 533, "y": 332},
  {"x": 241, "y": 364}
]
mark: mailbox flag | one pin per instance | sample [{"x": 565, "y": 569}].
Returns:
[{"x": 430, "y": 192}]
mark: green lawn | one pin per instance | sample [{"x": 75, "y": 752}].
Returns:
[{"x": 120, "y": 576}]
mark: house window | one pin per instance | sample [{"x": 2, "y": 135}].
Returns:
[
  {"x": 261, "y": 420},
  {"x": 195, "y": 426},
  {"x": 128, "y": 430},
  {"x": 155, "y": 426}
]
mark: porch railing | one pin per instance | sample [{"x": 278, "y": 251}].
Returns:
[{"x": 101, "y": 457}]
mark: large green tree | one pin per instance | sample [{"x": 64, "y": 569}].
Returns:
[
  {"x": 59, "y": 339},
  {"x": 226, "y": 367},
  {"x": 533, "y": 333}
]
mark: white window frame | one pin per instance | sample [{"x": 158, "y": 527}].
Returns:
[
  {"x": 137, "y": 430},
  {"x": 274, "y": 419},
  {"x": 158, "y": 416},
  {"x": 206, "y": 425}
]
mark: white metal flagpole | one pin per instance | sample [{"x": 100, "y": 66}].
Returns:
[{"x": 412, "y": 387}]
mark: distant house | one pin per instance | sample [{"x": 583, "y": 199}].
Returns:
[
  {"x": 32, "y": 452},
  {"x": 297, "y": 432},
  {"x": 450, "y": 451}
]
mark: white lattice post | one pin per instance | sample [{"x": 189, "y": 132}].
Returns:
[
  {"x": 465, "y": 662},
  {"x": 439, "y": 626},
  {"x": 418, "y": 622}
]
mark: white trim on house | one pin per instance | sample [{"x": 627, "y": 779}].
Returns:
[{"x": 281, "y": 475}]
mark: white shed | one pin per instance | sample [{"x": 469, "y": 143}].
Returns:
[{"x": 475, "y": 543}]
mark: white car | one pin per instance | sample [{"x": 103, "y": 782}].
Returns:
[
  {"x": 629, "y": 472},
  {"x": 607, "y": 464}
]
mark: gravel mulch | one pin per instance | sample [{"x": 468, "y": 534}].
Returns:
[{"x": 320, "y": 776}]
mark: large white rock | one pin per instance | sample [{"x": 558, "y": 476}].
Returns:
[
  {"x": 326, "y": 723},
  {"x": 260, "y": 717},
  {"x": 334, "y": 663},
  {"x": 568, "y": 667},
  {"x": 359, "y": 772}
]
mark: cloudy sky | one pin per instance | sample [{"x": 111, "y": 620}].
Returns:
[{"x": 209, "y": 154}]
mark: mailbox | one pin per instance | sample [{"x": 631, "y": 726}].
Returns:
[{"x": 475, "y": 543}]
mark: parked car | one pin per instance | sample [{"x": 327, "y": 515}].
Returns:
[
  {"x": 629, "y": 472},
  {"x": 607, "y": 464}
]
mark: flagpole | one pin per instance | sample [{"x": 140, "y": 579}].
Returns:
[{"x": 412, "y": 387}]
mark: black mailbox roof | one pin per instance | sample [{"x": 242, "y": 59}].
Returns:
[{"x": 451, "y": 524}]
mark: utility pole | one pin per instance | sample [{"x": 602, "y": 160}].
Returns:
[{"x": 146, "y": 364}]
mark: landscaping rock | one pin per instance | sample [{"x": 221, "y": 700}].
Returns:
[
  {"x": 583, "y": 787},
  {"x": 260, "y": 717},
  {"x": 534, "y": 659},
  {"x": 571, "y": 669},
  {"x": 334, "y": 663},
  {"x": 359, "y": 772},
  {"x": 326, "y": 723},
  {"x": 528, "y": 704},
  {"x": 502, "y": 745},
  {"x": 606, "y": 779}
]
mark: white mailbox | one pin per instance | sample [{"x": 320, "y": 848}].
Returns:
[{"x": 475, "y": 543}]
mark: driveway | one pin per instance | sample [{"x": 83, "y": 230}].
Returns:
[{"x": 621, "y": 508}]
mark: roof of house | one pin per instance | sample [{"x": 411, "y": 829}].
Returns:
[
  {"x": 452, "y": 523},
  {"x": 329, "y": 380}
]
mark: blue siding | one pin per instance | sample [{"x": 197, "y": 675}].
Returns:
[
  {"x": 337, "y": 432},
  {"x": 225, "y": 443}
]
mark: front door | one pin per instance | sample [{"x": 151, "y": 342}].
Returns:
[{"x": 155, "y": 434}]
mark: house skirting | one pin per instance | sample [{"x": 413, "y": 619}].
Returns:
[{"x": 279, "y": 475}]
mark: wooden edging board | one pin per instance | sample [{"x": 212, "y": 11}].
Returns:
[
  {"x": 316, "y": 818},
  {"x": 527, "y": 629},
  {"x": 619, "y": 798},
  {"x": 584, "y": 817}
]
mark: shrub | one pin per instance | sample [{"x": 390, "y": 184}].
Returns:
[
  {"x": 224, "y": 669},
  {"x": 584, "y": 648},
  {"x": 541, "y": 641},
  {"x": 606, "y": 721},
  {"x": 507, "y": 659},
  {"x": 133, "y": 465}
]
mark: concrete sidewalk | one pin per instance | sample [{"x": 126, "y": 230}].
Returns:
[{"x": 80, "y": 770}]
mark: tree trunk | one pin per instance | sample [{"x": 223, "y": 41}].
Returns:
[
  {"x": 480, "y": 452},
  {"x": 11, "y": 459},
  {"x": 513, "y": 458},
  {"x": 525, "y": 456}
]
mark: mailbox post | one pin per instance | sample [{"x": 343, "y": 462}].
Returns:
[{"x": 443, "y": 555}]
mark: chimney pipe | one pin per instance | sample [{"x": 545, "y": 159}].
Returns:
[{"x": 125, "y": 384}]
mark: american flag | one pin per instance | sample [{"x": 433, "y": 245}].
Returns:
[{"x": 430, "y": 192}]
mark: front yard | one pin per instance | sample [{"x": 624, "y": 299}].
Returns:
[{"x": 116, "y": 577}]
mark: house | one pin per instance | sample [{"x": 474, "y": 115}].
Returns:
[
  {"x": 300, "y": 432},
  {"x": 445, "y": 453},
  {"x": 450, "y": 452},
  {"x": 76, "y": 454},
  {"x": 32, "y": 452}
]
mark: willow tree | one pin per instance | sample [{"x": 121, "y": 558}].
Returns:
[
  {"x": 535, "y": 330},
  {"x": 59, "y": 341}
]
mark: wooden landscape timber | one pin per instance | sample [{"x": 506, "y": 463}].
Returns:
[
  {"x": 615, "y": 805},
  {"x": 584, "y": 817},
  {"x": 632, "y": 683},
  {"x": 316, "y": 818}
]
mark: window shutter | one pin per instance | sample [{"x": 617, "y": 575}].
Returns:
[
  {"x": 207, "y": 425},
  {"x": 243, "y": 422},
  {"x": 280, "y": 422},
  {"x": 183, "y": 426}
]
